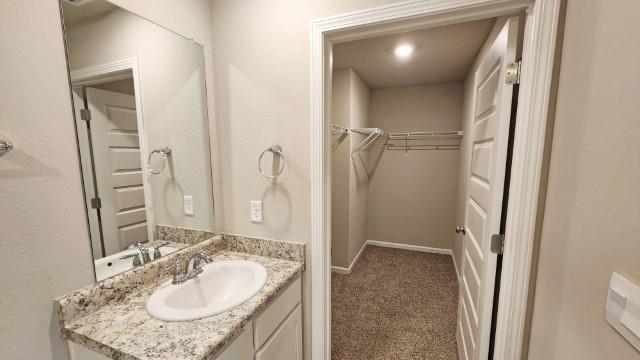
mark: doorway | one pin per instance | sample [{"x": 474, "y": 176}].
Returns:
[
  {"x": 538, "y": 47},
  {"x": 427, "y": 122},
  {"x": 111, "y": 137}
]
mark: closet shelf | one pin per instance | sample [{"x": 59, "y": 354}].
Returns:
[
  {"x": 440, "y": 135},
  {"x": 373, "y": 134}
]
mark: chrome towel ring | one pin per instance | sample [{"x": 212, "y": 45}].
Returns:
[
  {"x": 165, "y": 152},
  {"x": 276, "y": 150},
  {"x": 5, "y": 147}
]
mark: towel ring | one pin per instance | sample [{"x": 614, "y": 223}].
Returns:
[
  {"x": 275, "y": 150},
  {"x": 165, "y": 151}
]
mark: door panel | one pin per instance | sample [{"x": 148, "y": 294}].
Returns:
[
  {"x": 125, "y": 159},
  {"x": 489, "y": 133},
  {"x": 114, "y": 127}
]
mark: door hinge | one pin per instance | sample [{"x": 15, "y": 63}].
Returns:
[
  {"x": 513, "y": 72},
  {"x": 96, "y": 203},
  {"x": 85, "y": 114},
  {"x": 497, "y": 243}
]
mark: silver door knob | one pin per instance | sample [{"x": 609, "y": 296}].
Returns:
[{"x": 461, "y": 230}]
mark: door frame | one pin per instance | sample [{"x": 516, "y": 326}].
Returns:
[
  {"x": 114, "y": 71},
  {"x": 539, "y": 46}
]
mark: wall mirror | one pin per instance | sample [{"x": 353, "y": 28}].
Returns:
[{"x": 140, "y": 106}]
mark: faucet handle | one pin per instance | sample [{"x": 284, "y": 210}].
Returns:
[
  {"x": 156, "y": 250},
  {"x": 136, "y": 259}
]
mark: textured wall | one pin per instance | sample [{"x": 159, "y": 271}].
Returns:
[
  {"x": 340, "y": 168},
  {"x": 412, "y": 196},
  {"x": 359, "y": 179},
  {"x": 44, "y": 240},
  {"x": 593, "y": 202},
  {"x": 349, "y": 179},
  {"x": 262, "y": 67}
]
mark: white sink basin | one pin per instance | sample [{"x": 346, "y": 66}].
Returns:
[{"x": 221, "y": 286}]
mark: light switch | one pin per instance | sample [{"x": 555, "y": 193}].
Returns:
[
  {"x": 255, "y": 207},
  {"x": 623, "y": 308},
  {"x": 188, "y": 205}
]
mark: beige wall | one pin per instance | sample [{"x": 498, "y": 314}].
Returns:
[
  {"x": 412, "y": 197},
  {"x": 593, "y": 202},
  {"x": 464, "y": 162},
  {"x": 359, "y": 179},
  {"x": 45, "y": 243},
  {"x": 262, "y": 87},
  {"x": 44, "y": 240},
  {"x": 173, "y": 90},
  {"x": 340, "y": 168},
  {"x": 350, "y": 102}
]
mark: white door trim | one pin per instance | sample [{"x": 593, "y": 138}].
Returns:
[
  {"x": 533, "y": 104},
  {"x": 114, "y": 71}
]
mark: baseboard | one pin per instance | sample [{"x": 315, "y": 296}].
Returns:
[
  {"x": 347, "y": 271},
  {"x": 410, "y": 247}
]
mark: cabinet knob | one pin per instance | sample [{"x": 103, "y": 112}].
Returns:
[{"x": 461, "y": 230}]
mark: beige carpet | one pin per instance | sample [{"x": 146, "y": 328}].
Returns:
[{"x": 396, "y": 304}]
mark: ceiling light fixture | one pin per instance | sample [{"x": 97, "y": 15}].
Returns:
[{"x": 403, "y": 50}]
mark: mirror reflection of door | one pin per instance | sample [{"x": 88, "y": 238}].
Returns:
[{"x": 112, "y": 165}]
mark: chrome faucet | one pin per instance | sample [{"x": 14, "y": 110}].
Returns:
[{"x": 193, "y": 268}]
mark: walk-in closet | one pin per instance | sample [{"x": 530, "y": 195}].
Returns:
[{"x": 420, "y": 125}]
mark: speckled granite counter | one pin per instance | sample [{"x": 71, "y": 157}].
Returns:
[{"x": 110, "y": 317}]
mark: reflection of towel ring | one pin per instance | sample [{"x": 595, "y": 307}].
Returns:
[
  {"x": 165, "y": 151},
  {"x": 275, "y": 150}
]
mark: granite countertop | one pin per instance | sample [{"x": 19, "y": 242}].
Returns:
[{"x": 120, "y": 327}]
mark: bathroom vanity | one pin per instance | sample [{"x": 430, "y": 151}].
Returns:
[{"x": 110, "y": 318}]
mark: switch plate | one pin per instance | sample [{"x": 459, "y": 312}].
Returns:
[
  {"x": 188, "y": 205},
  {"x": 255, "y": 207}
]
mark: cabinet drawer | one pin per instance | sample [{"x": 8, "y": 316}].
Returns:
[
  {"x": 267, "y": 322},
  {"x": 286, "y": 342}
]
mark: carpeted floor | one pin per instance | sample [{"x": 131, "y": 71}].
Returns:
[{"x": 396, "y": 304}]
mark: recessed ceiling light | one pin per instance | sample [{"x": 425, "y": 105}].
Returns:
[{"x": 403, "y": 50}]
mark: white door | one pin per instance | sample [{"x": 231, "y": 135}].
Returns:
[
  {"x": 116, "y": 150},
  {"x": 490, "y": 132}
]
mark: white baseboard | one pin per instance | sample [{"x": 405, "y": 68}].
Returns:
[
  {"x": 425, "y": 249},
  {"x": 343, "y": 270},
  {"x": 410, "y": 247}
]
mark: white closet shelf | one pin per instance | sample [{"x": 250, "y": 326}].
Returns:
[{"x": 432, "y": 135}]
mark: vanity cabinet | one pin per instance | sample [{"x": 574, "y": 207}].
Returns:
[
  {"x": 286, "y": 342},
  {"x": 275, "y": 334}
]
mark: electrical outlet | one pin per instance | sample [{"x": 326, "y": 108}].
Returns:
[
  {"x": 188, "y": 205},
  {"x": 255, "y": 207}
]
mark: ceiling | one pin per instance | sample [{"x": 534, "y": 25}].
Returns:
[
  {"x": 78, "y": 15},
  {"x": 442, "y": 54}
]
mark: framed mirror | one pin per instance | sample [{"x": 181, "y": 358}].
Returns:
[{"x": 140, "y": 105}]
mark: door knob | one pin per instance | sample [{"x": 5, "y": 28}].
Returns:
[{"x": 461, "y": 229}]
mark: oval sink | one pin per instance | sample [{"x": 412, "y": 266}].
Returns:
[{"x": 221, "y": 286}]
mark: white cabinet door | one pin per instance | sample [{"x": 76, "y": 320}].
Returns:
[
  {"x": 241, "y": 348},
  {"x": 286, "y": 342}
]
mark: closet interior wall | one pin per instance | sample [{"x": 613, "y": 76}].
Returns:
[
  {"x": 350, "y": 182},
  {"x": 392, "y": 196},
  {"x": 412, "y": 194}
]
